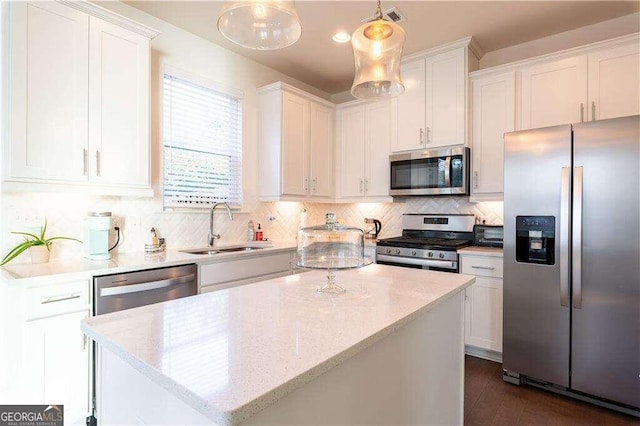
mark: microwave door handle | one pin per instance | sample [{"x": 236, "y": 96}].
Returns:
[{"x": 447, "y": 171}]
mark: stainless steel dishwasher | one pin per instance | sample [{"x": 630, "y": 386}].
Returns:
[{"x": 132, "y": 289}]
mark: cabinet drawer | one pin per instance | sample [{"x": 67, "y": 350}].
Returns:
[
  {"x": 57, "y": 299},
  {"x": 483, "y": 266},
  {"x": 216, "y": 273}
]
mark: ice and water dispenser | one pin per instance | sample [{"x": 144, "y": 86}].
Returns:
[{"x": 535, "y": 239}]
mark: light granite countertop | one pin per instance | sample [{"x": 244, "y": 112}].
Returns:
[
  {"x": 80, "y": 268},
  {"x": 231, "y": 353}
]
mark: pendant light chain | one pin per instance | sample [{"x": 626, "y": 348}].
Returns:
[{"x": 379, "y": 11}]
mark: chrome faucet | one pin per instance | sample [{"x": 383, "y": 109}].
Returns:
[{"x": 212, "y": 236}]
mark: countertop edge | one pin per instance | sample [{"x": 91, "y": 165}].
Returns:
[
  {"x": 251, "y": 408},
  {"x": 482, "y": 251},
  {"x": 153, "y": 262}
]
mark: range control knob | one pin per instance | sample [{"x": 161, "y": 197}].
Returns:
[
  {"x": 413, "y": 253},
  {"x": 397, "y": 251},
  {"x": 388, "y": 251},
  {"x": 430, "y": 254},
  {"x": 441, "y": 255}
]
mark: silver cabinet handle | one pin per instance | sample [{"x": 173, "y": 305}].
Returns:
[
  {"x": 97, "y": 163},
  {"x": 428, "y": 135},
  {"x": 577, "y": 238},
  {"x": 361, "y": 185},
  {"x": 475, "y": 180},
  {"x": 366, "y": 185},
  {"x": 421, "y": 136},
  {"x": 85, "y": 161},
  {"x": 593, "y": 110},
  {"x": 565, "y": 213},
  {"x": 137, "y": 288},
  {"x": 60, "y": 298},
  {"x": 486, "y": 268},
  {"x": 581, "y": 112},
  {"x": 306, "y": 184},
  {"x": 314, "y": 183}
]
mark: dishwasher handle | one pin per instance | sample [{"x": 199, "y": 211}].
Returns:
[{"x": 153, "y": 285}]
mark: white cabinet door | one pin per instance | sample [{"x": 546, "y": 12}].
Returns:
[
  {"x": 493, "y": 114},
  {"x": 49, "y": 78},
  {"x": 377, "y": 147},
  {"x": 57, "y": 361},
  {"x": 553, "y": 93},
  {"x": 352, "y": 148},
  {"x": 321, "y": 151},
  {"x": 118, "y": 105},
  {"x": 295, "y": 145},
  {"x": 483, "y": 314},
  {"x": 614, "y": 83},
  {"x": 445, "y": 99},
  {"x": 411, "y": 108}
]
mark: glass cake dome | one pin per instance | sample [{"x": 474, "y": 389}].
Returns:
[{"x": 331, "y": 246}]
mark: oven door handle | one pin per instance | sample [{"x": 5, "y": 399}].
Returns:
[
  {"x": 137, "y": 288},
  {"x": 421, "y": 262}
]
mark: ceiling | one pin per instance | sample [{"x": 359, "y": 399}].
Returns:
[{"x": 316, "y": 60}]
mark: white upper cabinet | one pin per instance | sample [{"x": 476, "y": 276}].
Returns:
[
  {"x": 553, "y": 93},
  {"x": 431, "y": 113},
  {"x": 365, "y": 135},
  {"x": 79, "y": 100},
  {"x": 600, "y": 84},
  {"x": 493, "y": 114},
  {"x": 411, "y": 108},
  {"x": 614, "y": 82},
  {"x": 296, "y": 147},
  {"x": 321, "y": 151},
  {"x": 445, "y": 84},
  {"x": 118, "y": 105},
  {"x": 49, "y": 44}
]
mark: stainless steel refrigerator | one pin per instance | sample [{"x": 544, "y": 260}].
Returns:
[{"x": 572, "y": 260}]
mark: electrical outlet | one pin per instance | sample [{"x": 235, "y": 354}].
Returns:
[
  {"x": 115, "y": 221},
  {"x": 271, "y": 218}
]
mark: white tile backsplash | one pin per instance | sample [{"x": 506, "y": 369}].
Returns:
[{"x": 65, "y": 214}]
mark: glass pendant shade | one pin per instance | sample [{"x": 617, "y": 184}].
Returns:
[
  {"x": 377, "y": 52},
  {"x": 260, "y": 25}
]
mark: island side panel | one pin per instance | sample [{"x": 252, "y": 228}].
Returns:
[
  {"x": 124, "y": 396},
  {"x": 413, "y": 376}
]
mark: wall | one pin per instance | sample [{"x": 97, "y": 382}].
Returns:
[{"x": 605, "y": 30}]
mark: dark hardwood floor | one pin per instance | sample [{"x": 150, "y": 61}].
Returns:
[{"x": 490, "y": 401}]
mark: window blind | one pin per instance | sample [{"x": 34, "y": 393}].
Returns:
[{"x": 202, "y": 145}]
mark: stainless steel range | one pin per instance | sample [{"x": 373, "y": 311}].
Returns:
[{"x": 428, "y": 241}]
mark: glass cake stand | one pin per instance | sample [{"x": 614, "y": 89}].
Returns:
[{"x": 331, "y": 266}]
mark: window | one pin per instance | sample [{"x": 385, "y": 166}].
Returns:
[{"x": 202, "y": 144}]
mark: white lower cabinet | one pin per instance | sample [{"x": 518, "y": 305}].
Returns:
[
  {"x": 483, "y": 306},
  {"x": 48, "y": 352},
  {"x": 232, "y": 273},
  {"x": 57, "y": 357}
]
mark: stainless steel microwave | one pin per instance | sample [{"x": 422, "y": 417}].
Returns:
[{"x": 442, "y": 172}]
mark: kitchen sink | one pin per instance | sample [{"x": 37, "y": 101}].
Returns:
[{"x": 210, "y": 251}]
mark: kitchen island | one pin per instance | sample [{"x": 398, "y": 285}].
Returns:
[{"x": 388, "y": 351}]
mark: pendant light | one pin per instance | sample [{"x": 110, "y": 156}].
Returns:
[
  {"x": 377, "y": 52},
  {"x": 260, "y": 25}
]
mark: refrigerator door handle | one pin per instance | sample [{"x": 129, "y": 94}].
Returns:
[
  {"x": 577, "y": 238},
  {"x": 565, "y": 214}
]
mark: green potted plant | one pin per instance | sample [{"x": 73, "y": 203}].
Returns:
[{"x": 38, "y": 245}]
